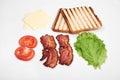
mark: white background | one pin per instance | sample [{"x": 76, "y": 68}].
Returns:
[{"x": 11, "y": 29}]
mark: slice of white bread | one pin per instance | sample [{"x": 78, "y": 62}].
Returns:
[{"x": 75, "y": 20}]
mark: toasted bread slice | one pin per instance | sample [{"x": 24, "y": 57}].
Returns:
[
  {"x": 59, "y": 24},
  {"x": 75, "y": 20},
  {"x": 80, "y": 19}
]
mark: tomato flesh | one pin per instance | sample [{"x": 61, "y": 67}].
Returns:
[
  {"x": 24, "y": 53},
  {"x": 28, "y": 41}
]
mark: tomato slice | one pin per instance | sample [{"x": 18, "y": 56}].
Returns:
[
  {"x": 28, "y": 41},
  {"x": 24, "y": 53}
]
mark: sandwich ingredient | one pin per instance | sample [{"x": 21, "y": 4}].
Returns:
[
  {"x": 49, "y": 51},
  {"x": 91, "y": 48},
  {"x": 75, "y": 20},
  {"x": 36, "y": 20},
  {"x": 65, "y": 50},
  {"x": 24, "y": 53},
  {"x": 28, "y": 41}
]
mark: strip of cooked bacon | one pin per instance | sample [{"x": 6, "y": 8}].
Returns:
[
  {"x": 65, "y": 50},
  {"x": 49, "y": 51}
]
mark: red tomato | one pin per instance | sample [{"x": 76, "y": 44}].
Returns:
[
  {"x": 28, "y": 41},
  {"x": 24, "y": 53}
]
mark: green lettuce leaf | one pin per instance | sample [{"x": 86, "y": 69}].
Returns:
[{"x": 91, "y": 48}]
